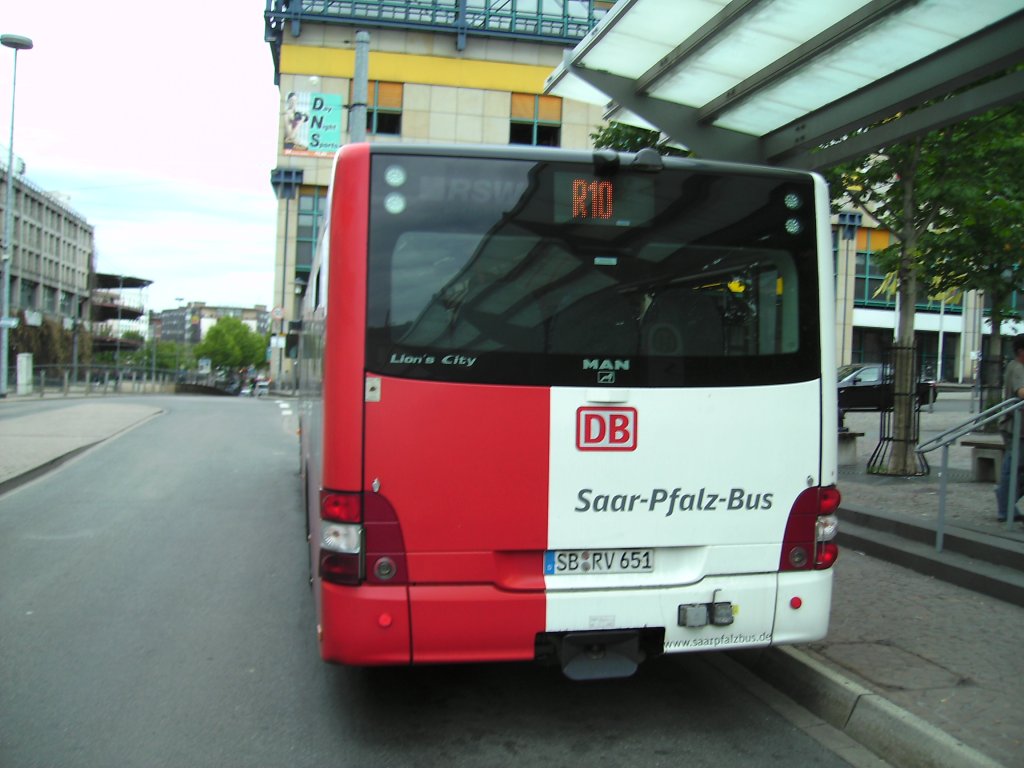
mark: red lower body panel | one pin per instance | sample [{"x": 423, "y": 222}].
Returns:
[
  {"x": 370, "y": 625},
  {"x": 365, "y": 625},
  {"x": 474, "y": 623}
]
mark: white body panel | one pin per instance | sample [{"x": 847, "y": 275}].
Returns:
[{"x": 706, "y": 479}]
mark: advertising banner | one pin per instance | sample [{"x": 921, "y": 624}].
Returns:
[{"x": 312, "y": 124}]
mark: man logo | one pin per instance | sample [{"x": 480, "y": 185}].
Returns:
[{"x": 606, "y": 429}]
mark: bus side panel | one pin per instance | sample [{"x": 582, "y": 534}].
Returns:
[
  {"x": 466, "y": 470},
  {"x": 827, "y": 326},
  {"x": 349, "y": 618},
  {"x": 346, "y": 320}
]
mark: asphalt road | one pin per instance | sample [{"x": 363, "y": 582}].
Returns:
[{"x": 154, "y": 611}]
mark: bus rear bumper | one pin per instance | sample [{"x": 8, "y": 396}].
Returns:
[
  {"x": 717, "y": 613},
  {"x": 365, "y": 625},
  {"x": 802, "y": 606},
  {"x": 438, "y": 624}
]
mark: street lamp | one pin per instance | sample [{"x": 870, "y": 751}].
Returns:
[{"x": 17, "y": 43}]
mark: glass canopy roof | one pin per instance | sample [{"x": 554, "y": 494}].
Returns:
[{"x": 769, "y": 80}]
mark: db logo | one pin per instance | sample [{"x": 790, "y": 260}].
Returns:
[{"x": 606, "y": 429}]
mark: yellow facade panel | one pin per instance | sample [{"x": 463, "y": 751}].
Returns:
[{"x": 413, "y": 68}]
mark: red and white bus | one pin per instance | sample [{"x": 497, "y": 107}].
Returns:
[{"x": 570, "y": 405}]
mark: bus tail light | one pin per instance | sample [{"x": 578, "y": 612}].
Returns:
[
  {"x": 360, "y": 540},
  {"x": 809, "y": 541},
  {"x": 341, "y": 537},
  {"x": 341, "y": 507}
]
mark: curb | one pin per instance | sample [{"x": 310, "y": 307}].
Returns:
[
  {"x": 895, "y": 735},
  {"x": 38, "y": 471},
  {"x": 57, "y": 459}
]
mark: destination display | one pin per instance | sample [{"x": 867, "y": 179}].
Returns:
[{"x": 623, "y": 200}]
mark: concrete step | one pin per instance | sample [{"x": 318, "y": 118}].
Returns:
[
  {"x": 989, "y": 548},
  {"x": 991, "y": 570}
]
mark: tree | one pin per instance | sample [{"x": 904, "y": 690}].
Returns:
[
  {"x": 169, "y": 356},
  {"x": 937, "y": 193},
  {"x": 232, "y": 345},
  {"x": 629, "y": 138},
  {"x": 984, "y": 248},
  {"x": 48, "y": 343}
]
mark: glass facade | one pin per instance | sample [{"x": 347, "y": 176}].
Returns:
[{"x": 312, "y": 209}]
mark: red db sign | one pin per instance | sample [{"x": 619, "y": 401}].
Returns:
[{"x": 606, "y": 429}]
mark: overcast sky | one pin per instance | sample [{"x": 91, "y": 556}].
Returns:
[{"x": 158, "y": 123}]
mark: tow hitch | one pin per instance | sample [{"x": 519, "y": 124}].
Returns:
[{"x": 599, "y": 655}]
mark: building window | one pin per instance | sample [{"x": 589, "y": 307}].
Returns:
[
  {"x": 312, "y": 209},
  {"x": 383, "y": 108},
  {"x": 535, "y": 120},
  {"x": 868, "y": 275},
  {"x": 27, "y": 299},
  {"x": 868, "y": 283}
]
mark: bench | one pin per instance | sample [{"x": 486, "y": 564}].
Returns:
[
  {"x": 986, "y": 459},
  {"x": 847, "y": 453}
]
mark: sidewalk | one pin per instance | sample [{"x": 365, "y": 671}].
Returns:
[
  {"x": 922, "y": 671},
  {"x": 949, "y": 658},
  {"x": 33, "y": 442}
]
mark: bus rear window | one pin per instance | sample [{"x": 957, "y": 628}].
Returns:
[{"x": 523, "y": 272}]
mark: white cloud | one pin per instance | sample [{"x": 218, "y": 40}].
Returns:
[{"x": 161, "y": 130}]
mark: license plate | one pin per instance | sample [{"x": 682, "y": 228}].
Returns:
[{"x": 586, "y": 561}]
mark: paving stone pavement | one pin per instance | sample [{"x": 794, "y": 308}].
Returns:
[{"x": 944, "y": 653}]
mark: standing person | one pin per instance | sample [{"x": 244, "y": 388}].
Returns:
[{"x": 1013, "y": 386}]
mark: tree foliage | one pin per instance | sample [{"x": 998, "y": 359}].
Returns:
[
  {"x": 952, "y": 197},
  {"x": 231, "y": 344},
  {"x": 48, "y": 343},
  {"x": 955, "y": 196},
  {"x": 982, "y": 246},
  {"x": 629, "y": 138},
  {"x": 169, "y": 356}
]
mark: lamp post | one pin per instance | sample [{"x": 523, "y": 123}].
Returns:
[{"x": 17, "y": 43}]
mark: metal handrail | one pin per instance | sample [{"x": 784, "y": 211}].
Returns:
[{"x": 950, "y": 436}]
